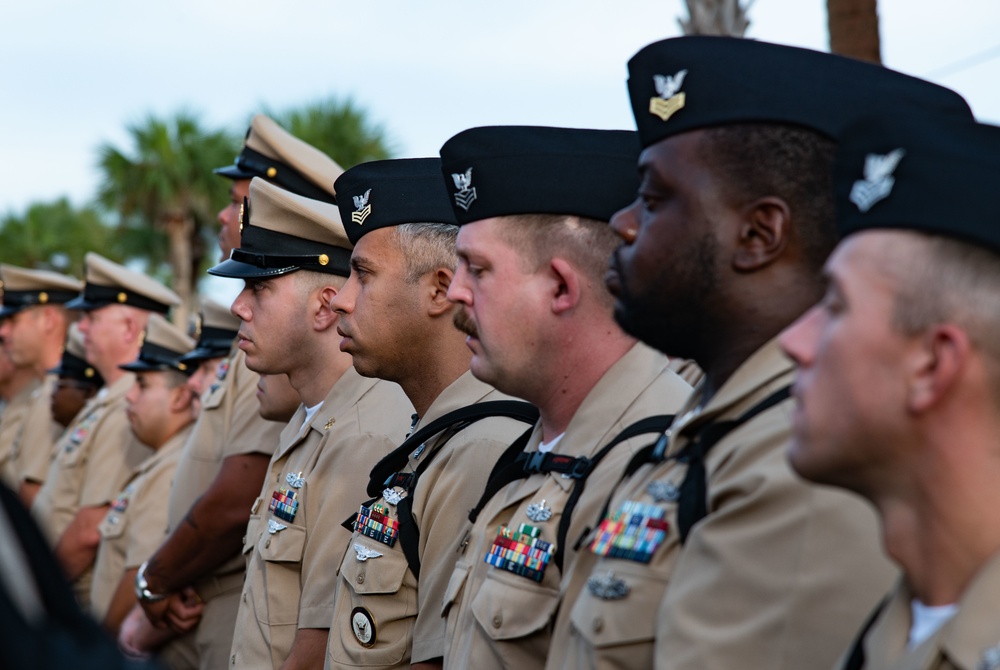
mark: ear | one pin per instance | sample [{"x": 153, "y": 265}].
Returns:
[
  {"x": 763, "y": 234},
  {"x": 323, "y": 316},
  {"x": 941, "y": 359},
  {"x": 567, "y": 285},
  {"x": 435, "y": 285},
  {"x": 180, "y": 398}
]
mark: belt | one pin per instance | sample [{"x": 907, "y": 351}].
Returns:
[{"x": 218, "y": 585}]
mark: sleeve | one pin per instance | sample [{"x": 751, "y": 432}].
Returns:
[
  {"x": 147, "y": 526},
  {"x": 454, "y": 488},
  {"x": 113, "y": 454},
  {"x": 37, "y": 443},
  {"x": 780, "y": 574}
]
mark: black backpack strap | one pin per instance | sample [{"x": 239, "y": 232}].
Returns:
[
  {"x": 457, "y": 420},
  {"x": 453, "y": 422},
  {"x": 651, "y": 424},
  {"x": 502, "y": 473},
  {"x": 856, "y": 658},
  {"x": 692, "y": 506}
]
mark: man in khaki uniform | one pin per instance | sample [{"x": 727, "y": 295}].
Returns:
[
  {"x": 160, "y": 408},
  {"x": 272, "y": 153},
  {"x": 398, "y": 325},
  {"x": 294, "y": 256},
  {"x": 224, "y": 464},
  {"x": 539, "y": 325},
  {"x": 712, "y": 553},
  {"x": 897, "y": 388},
  {"x": 33, "y": 325},
  {"x": 77, "y": 381},
  {"x": 96, "y": 454}
]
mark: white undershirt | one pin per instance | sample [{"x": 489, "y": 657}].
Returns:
[
  {"x": 310, "y": 413},
  {"x": 546, "y": 447},
  {"x": 927, "y": 620}
]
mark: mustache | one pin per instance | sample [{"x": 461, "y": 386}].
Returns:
[{"x": 464, "y": 322}]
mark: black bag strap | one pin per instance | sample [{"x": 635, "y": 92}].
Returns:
[
  {"x": 456, "y": 420},
  {"x": 693, "y": 502},
  {"x": 453, "y": 422},
  {"x": 500, "y": 468},
  {"x": 651, "y": 424},
  {"x": 856, "y": 659}
]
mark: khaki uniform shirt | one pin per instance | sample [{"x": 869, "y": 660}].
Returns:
[
  {"x": 400, "y": 621},
  {"x": 91, "y": 461},
  {"x": 499, "y": 619},
  {"x": 779, "y": 575},
  {"x": 11, "y": 424},
  {"x": 229, "y": 425},
  {"x": 136, "y": 523},
  {"x": 970, "y": 640},
  {"x": 33, "y": 445},
  {"x": 294, "y": 538}
]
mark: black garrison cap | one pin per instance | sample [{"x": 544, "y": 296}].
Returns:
[
  {"x": 287, "y": 233},
  {"x": 504, "y": 170},
  {"x": 923, "y": 174},
  {"x": 686, "y": 83},
  {"x": 378, "y": 194}
]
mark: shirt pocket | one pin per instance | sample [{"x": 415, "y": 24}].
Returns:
[
  {"x": 508, "y": 607},
  {"x": 281, "y": 559},
  {"x": 620, "y": 632},
  {"x": 375, "y": 590}
]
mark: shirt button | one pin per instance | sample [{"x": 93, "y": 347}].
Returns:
[
  {"x": 361, "y": 578},
  {"x": 497, "y": 620},
  {"x": 598, "y": 625},
  {"x": 267, "y": 543}
]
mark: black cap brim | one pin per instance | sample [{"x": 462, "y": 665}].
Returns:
[
  {"x": 197, "y": 356},
  {"x": 240, "y": 270},
  {"x": 234, "y": 172},
  {"x": 82, "y": 304},
  {"x": 7, "y": 312}
]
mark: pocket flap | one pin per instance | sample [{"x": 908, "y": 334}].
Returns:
[
  {"x": 508, "y": 610},
  {"x": 284, "y": 546},
  {"x": 375, "y": 575}
]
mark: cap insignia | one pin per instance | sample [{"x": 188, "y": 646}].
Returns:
[
  {"x": 88, "y": 373},
  {"x": 670, "y": 98},
  {"x": 364, "y": 209},
  {"x": 43, "y": 298},
  {"x": 466, "y": 191},
  {"x": 324, "y": 259},
  {"x": 122, "y": 297},
  {"x": 271, "y": 171},
  {"x": 878, "y": 181},
  {"x": 242, "y": 206}
]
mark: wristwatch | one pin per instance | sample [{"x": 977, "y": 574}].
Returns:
[{"x": 142, "y": 591}]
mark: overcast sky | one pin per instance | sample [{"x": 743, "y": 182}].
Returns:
[{"x": 73, "y": 74}]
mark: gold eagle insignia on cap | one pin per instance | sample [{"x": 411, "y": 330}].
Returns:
[
  {"x": 122, "y": 296},
  {"x": 670, "y": 99},
  {"x": 324, "y": 259},
  {"x": 271, "y": 171},
  {"x": 88, "y": 373},
  {"x": 43, "y": 298}
]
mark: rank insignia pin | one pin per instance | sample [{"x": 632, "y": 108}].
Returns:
[
  {"x": 607, "y": 587},
  {"x": 392, "y": 496},
  {"x": 273, "y": 526},
  {"x": 539, "y": 512},
  {"x": 329, "y": 423},
  {"x": 466, "y": 191},
  {"x": 295, "y": 480},
  {"x": 663, "y": 491},
  {"x": 362, "y": 207},
  {"x": 419, "y": 450},
  {"x": 364, "y": 553},
  {"x": 878, "y": 181},
  {"x": 669, "y": 100},
  {"x": 990, "y": 659}
]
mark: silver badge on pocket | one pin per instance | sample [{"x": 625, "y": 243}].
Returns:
[{"x": 607, "y": 587}]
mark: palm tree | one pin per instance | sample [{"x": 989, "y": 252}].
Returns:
[
  {"x": 163, "y": 190},
  {"x": 853, "y": 27},
  {"x": 716, "y": 17},
  {"x": 338, "y": 128},
  {"x": 54, "y": 236}
]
